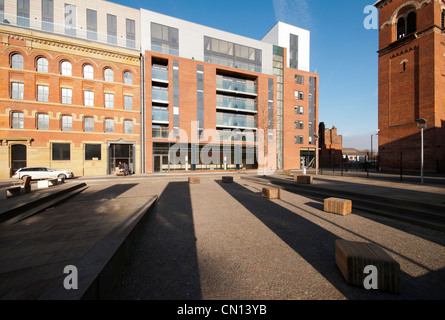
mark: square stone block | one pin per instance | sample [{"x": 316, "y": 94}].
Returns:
[
  {"x": 287, "y": 172},
  {"x": 271, "y": 193},
  {"x": 303, "y": 178},
  {"x": 194, "y": 180},
  {"x": 338, "y": 206},
  {"x": 227, "y": 179},
  {"x": 353, "y": 257}
]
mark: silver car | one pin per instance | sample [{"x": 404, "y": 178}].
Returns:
[{"x": 37, "y": 173}]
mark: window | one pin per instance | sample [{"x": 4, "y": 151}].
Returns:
[
  {"x": 299, "y": 125},
  {"x": 109, "y": 100},
  {"x": 61, "y": 152},
  {"x": 400, "y": 28},
  {"x": 109, "y": 125},
  {"x": 23, "y": 13},
  {"x": 299, "y": 139},
  {"x": 164, "y": 39},
  {"x": 42, "y": 65},
  {"x": 128, "y": 102},
  {"x": 42, "y": 93},
  {"x": 411, "y": 23},
  {"x": 109, "y": 75},
  {"x": 2, "y": 10},
  {"x": 88, "y": 71},
  {"x": 299, "y": 95},
  {"x": 43, "y": 122},
  {"x": 299, "y": 110},
  {"x": 88, "y": 98},
  {"x": 131, "y": 35},
  {"x": 88, "y": 124},
  {"x": 17, "y": 61},
  {"x": 443, "y": 18},
  {"x": 128, "y": 77},
  {"x": 299, "y": 79},
  {"x": 70, "y": 20},
  {"x": 17, "y": 120},
  {"x": 111, "y": 29},
  {"x": 128, "y": 127},
  {"x": 91, "y": 24},
  {"x": 93, "y": 152},
  {"x": 66, "y": 69},
  {"x": 67, "y": 123},
  {"x": 48, "y": 15},
  {"x": 17, "y": 90},
  {"x": 293, "y": 51},
  {"x": 67, "y": 95}
]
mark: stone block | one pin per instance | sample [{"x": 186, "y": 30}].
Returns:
[
  {"x": 338, "y": 206},
  {"x": 227, "y": 179},
  {"x": 353, "y": 257},
  {"x": 287, "y": 172},
  {"x": 303, "y": 178},
  {"x": 194, "y": 180},
  {"x": 271, "y": 193}
]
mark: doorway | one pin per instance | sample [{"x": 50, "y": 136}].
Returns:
[
  {"x": 121, "y": 152},
  {"x": 18, "y": 157},
  {"x": 160, "y": 163}
]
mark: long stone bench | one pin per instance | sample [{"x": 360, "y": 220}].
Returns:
[
  {"x": 303, "y": 178},
  {"x": 353, "y": 257},
  {"x": 338, "y": 206},
  {"x": 47, "y": 183},
  {"x": 271, "y": 193},
  {"x": 13, "y": 191}
]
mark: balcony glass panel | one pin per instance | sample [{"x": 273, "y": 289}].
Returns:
[
  {"x": 230, "y": 84},
  {"x": 160, "y": 132},
  {"x": 159, "y": 94},
  {"x": 159, "y": 74},
  {"x": 159, "y": 114},
  {"x": 236, "y": 103},
  {"x": 235, "y": 120}
]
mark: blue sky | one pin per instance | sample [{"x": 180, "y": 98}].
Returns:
[{"x": 343, "y": 52}]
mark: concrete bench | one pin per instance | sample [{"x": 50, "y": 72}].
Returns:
[
  {"x": 303, "y": 178},
  {"x": 338, "y": 206},
  {"x": 227, "y": 179},
  {"x": 271, "y": 193},
  {"x": 287, "y": 172},
  {"x": 47, "y": 183},
  {"x": 13, "y": 191},
  {"x": 194, "y": 180},
  {"x": 353, "y": 257}
]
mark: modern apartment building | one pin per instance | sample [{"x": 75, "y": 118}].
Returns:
[
  {"x": 199, "y": 98},
  {"x": 411, "y": 84}
]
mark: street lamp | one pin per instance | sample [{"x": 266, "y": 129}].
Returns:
[
  {"x": 316, "y": 154},
  {"x": 422, "y": 125},
  {"x": 376, "y": 134}
]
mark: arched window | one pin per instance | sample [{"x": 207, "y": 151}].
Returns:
[
  {"x": 17, "y": 61},
  {"x": 401, "y": 28},
  {"x": 42, "y": 65},
  {"x": 88, "y": 72},
  {"x": 411, "y": 23},
  {"x": 128, "y": 77},
  {"x": 109, "y": 75},
  {"x": 66, "y": 68}
]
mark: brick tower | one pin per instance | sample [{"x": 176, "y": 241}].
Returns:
[{"x": 411, "y": 83}]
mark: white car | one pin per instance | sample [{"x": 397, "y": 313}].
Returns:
[{"x": 37, "y": 173}]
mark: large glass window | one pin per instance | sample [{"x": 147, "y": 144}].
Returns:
[
  {"x": 17, "y": 90},
  {"x": 88, "y": 124},
  {"x": 67, "y": 123},
  {"x": 109, "y": 125},
  {"x": 23, "y": 13},
  {"x": 108, "y": 75},
  {"x": 93, "y": 152},
  {"x": 88, "y": 71},
  {"x": 42, "y": 93},
  {"x": 61, "y": 152},
  {"x": 131, "y": 33},
  {"x": 88, "y": 98},
  {"x": 128, "y": 77},
  {"x": 43, "y": 122},
  {"x": 128, "y": 127},
  {"x": 109, "y": 100},
  {"x": 128, "y": 102},
  {"x": 91, "y": 24},
  {"x": 42, "y": 65},
  {"x": 293, "y": 52},
  {"x": 111, "y": 29},
  {"x": 164, "y": 39},
  {"x": 67, "y": 95},
  {"x": 66, "y": 69},
  {"x": 70, "y": 19},
  {"x": 48, "y": 15},
  {"x": 17, "y": 61},
  {"x": 17, "y": 120}
]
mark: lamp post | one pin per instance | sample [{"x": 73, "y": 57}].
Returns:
[
  {"x": 376, "y": 134},
  {"x": 316, "y": 154},
  {"x": 422, "y": 125}
]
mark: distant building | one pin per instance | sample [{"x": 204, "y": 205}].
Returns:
[
  {"x": 331, "y": 145},
  {"x": 411, "y": 83},
  {"x": 354, "y": 155}
]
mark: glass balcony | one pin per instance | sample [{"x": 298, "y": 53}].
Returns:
[
  {"x": 235, "y": 121},
  {"x": 227, "y": 102},
  {"x": 159, "y": 95},
  {"x": 159, "y": 115},
  {"x": 160, "y": 132},
  {"x": 158, "y": 74},
  {"x": 234, "y": 85}
]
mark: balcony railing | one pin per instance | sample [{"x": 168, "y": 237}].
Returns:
[
  {"x": 235, "y": 121},
  {"x": 227, "y": 102},
  {"x": 159, "y": 74},
  {"x": 159, "y": 95},
  {"x": 160, "y": 133},
  {"x": 228, "y": 84},
  {"x": 158, "y": 115}
]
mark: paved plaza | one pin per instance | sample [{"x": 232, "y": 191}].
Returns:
[{"x": 213, "y": 241}]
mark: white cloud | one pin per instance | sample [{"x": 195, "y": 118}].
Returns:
[{"x": 295, "y": 12}]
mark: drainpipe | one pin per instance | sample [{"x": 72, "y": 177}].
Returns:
[{"x": 143, "y": 122}]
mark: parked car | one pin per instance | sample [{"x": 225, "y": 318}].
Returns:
[{"x": 37, "y": 173}]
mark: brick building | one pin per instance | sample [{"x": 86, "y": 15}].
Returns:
[
  {"x": 411, "y": 83},
  {"x": 88, "y": 84},
  {"x": 331, "y": 147}
]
